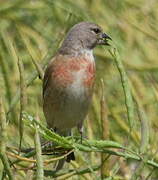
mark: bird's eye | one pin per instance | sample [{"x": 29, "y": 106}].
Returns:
[{"x": 96, "y": 30}]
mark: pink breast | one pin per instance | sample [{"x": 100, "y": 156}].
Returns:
[
  {"x": 90, "y": 74},
  {"x": 64, "y": 73}
]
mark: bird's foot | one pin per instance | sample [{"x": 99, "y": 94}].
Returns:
[{"x": 80, "y": 129}]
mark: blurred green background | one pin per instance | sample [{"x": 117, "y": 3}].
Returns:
[{"x": 32, "y": 30}]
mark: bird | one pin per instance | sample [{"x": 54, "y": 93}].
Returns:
[{"x": 69, "y": 80}]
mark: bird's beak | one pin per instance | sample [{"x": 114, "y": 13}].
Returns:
[{"x": 104, "y": 39}]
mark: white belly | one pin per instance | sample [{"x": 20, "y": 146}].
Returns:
[{"x": 75, "y": 106}]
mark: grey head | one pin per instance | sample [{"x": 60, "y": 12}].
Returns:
[{"x": 83, "y": 36}]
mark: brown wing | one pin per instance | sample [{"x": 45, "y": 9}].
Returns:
[
  {"x": 48, "y": 91},
  {"x": 56, "y": 78},
  {"x": 47, "y": 75}
]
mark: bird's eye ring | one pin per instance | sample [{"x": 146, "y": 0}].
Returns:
[{"x": 96, "y": 30}]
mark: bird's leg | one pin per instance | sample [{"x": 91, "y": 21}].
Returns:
[
  {"x": 80, "y": 129},
  {"x": 54, "y": 130}
]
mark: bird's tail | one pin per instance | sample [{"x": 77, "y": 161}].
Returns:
[
  {"x": 61, "y": 162},
  {"x": 69, "y": 157}
]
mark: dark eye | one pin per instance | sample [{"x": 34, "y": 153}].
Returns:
[{"x": 96, "y": 30}]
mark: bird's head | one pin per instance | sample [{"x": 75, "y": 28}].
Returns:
[{"x": 85, "y": 35}]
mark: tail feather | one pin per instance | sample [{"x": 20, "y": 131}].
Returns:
[
  {"x": 70, "y": 157},
  {"x": 60, "y": 164}
]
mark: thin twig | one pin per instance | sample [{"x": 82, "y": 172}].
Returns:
[
  {"x": 22, "y": 99},
  {"x": 46, "y": 162},
  {"x": 144, "y": 137},
  {"x": 105, "y": 131},
  {"x": 69, "y": 173},
  {"x": 3, "y": 155},
  {"x": 39, "y": 160},
  {"x": 126, "y": 88}
]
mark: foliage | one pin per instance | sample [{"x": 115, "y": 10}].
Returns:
[{"x": 125, "y": 89}]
